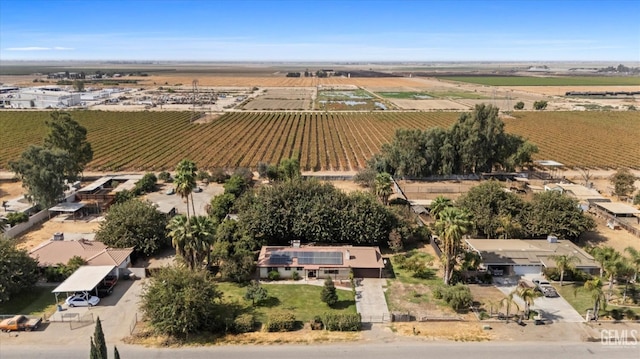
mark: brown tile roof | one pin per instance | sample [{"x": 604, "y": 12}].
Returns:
[
  {"x": 352, "y": 257},
  {"x": 52, "y": 253}
]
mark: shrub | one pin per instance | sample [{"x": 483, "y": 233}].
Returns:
[
  {"x": 274, "y": 275},
  {"x": 295, "y": 275},
  {"x": 203, "y": 176},
  {"x": 437, "y": 292},
  {"x": 316, "y": 323},
  {"x": 244, "y": 323},
  {"x": 328, "y": 294},
  {"x": 164, "y": 176},
  {"x": 343, "y": 322},
  {"x": 14, "y": 218},
  {"x": 281, "y": 322},
  {"x": 459, "y": 297},
  {"x": 146, "y": 184},
  {"x": 519, "y": 105},
  {"x": 570, "y": 274},
  {"x": 540, "y": 105},
  {"x": 219, "y": 175}
]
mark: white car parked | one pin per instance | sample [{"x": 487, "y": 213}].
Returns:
[{"x": 82, "y": 300}]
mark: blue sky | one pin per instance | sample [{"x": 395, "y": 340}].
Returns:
[{"x": 350, "y": 30}]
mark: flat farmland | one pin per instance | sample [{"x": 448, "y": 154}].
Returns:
[
  {"x": 283, "y": 99},
  {"x": 323, "y": 141},
  {"x": 547, "y": 81}
]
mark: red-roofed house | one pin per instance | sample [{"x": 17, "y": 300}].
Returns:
[{"x": 53, "y": 253}]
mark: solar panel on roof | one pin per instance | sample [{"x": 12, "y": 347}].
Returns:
[{"x": 315, "y": 258}]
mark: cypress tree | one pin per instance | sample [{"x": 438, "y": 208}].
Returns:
[
  {"x": 99, "y": 342},
  {"x": 116, "y": 355},
  {"x": 94, "y": 352},
  {"x": 329, "y": 294}
]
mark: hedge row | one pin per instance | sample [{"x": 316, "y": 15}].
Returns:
[
  {"x": 281, "y": 322},
  {"x": 341, "y": 322}
]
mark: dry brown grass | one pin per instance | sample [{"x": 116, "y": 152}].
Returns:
[
  {"x": 144, "y": 336},
  {"x": 455, "y": 331}
]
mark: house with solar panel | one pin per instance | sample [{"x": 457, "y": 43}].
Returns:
[{"x": 321, "y": 262}]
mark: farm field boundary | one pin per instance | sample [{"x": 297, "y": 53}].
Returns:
[
  {"x": 331, "y": 141},
  {"x": 546, "y": 81}
]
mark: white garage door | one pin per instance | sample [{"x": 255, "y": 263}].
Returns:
[{"x": 524, "y": 270}]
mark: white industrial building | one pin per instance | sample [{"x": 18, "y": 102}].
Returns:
[{"x": 41, "y": 97}]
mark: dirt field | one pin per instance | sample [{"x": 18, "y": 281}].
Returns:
[
  {"x": 10, "y": 190},
  {"x": 45, "y": 231}
]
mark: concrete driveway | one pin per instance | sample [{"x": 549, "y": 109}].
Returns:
[
  {"x": 370, "y": 300},
  {"x": 200, "y": 199},
  {"x": 553, "y": 309}
]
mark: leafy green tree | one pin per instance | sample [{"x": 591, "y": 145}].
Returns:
[
  {"x": 255, "y": 293},
  {"x": 289, "y": 168},
  {"x": 384, "y": 187},
  {"x": 134, "y": 224},
  {"x": 519, "y": 105},
  {"x": 554, "y": 213},
  {"x": 238, "y": 267},
  {"x": 68, "y": 135},
  {"x": 540, "y": 105},
  {"x": 78, "y": 85},
  {"x": 488, "y": 204},
  {"x": 366, "y": 177},
  {"x": 74, "y": 263},
  {"x": 42, "y": 172},
  {"x": 220, "y": 206},
  {"x": 236, "y": 185},
  {"x": 451, "y": 225},
  {"x": 180, "y": 302},
  {"x": 563, "y": 263},
  {"x": 528, "y": 296},
  {"x": 329, "y": 294},
  {"x": 146, "y": 184},
  {"x": 18, "y": 271},
  {"x": 185, "y": 181},
  {"x": 623, "y": 183}
]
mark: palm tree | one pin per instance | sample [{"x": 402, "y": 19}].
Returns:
[
  {"x": 185, "y": 181},
  {"x": 602, "y": 255},
  {"x": 635, "y": 261},
  {"x": 384, "y": 187},
  {"x": 507, "y": 302},
  {"x": 528, "y": 296},
  {"x": 439, "y": 204},
  {"x": 564, "y": 262},
  {"x": 179, "y": 233},
  {"x": 492, "y": 304},
  {"x": 613, "y": 268},
  {"x": 203, "y": 232},
  {"x": 451, "y": 225},
  {"x": 594, "y": 288}
]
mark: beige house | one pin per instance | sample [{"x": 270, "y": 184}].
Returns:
[
  {"x": 528, "y": 256},
  {"x": 53, "y": 253},
  {"x": 321, "y": 262}
]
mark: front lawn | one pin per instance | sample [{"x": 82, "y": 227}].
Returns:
[
  {"x": 301, "y": 299},
  {"x": 35, "y": 301},
  {"x": 581, "y": 301}
]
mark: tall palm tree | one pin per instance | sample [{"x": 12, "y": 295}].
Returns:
[
  {"x": 602, "y": 255},
  {"x": 635, "y": 261},
  {"x": 594, "y": 288},
  {"x": 451, "y": 225},
  {"x": 508, "y": 302},
  {"x": 564, "y": 262},
  {"x": 384, "y": 187},
  {"x": 179, "y": 233},
  {"x": 185, "y": 181},
  {"x": 613, "y": 268},
  {"x": 203, "y": 232},
  {"x": 528, "y": 296},
  {"x": 439, "y": 204}
]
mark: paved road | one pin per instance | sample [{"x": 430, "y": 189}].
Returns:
[
  {"x": 361, "y": 350},
  {"x": 370, "y": 300},
  {"x": 554, "y": 309}
]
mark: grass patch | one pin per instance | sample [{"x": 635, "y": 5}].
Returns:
[
  {"x": 35, "y": 301},
  {"x": 410, "y": 95},
  {"x": 303, "y": 300},
  {"x": 459, "y": 94},
  {"x": 581, "y": 301},
  {"x": 546, "y": 81}
]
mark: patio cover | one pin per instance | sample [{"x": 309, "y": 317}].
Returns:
[
  {"x": 67, "y": 207},
  {"x": 84, "y": 279}
]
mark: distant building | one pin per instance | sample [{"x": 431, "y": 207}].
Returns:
[{"x": 42, "y": 97}]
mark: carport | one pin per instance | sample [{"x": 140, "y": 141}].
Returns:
[
  {"x": 68, "y": 207},
  {"x": 85, "y": 279}
]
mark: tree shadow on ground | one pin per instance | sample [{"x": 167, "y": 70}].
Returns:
[
  {"x": 591, "y": 238},
  {"x": 342, "y": 304},
  {"x": 270, "y": 302}
]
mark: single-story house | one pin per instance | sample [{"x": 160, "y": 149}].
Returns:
[
  {"x": 528, "y": 256},
  {"x": 55, "y": 252},
  {"x": 321, "y": 262},
  {"x": 585, "y": 196}
]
